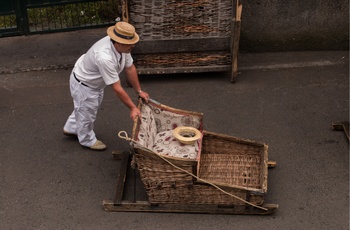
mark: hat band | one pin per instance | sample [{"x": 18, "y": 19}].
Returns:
[{"x": 123, "y": 36}]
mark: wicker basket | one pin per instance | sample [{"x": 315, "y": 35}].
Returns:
[
  {"x": 234, "y": 162},
  {"x": 169, "y": 19},
  {"x": 182, "y": 36},
  {"x": 238, "y": 166}
]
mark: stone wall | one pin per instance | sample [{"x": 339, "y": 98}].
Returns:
[{"x": 283, "y": 25}]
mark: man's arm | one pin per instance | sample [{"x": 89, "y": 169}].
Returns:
[
  {"x": 124, "y": 97},
  {"x": 131, "y": 74}
]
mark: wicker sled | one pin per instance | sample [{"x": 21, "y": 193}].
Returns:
[{"x": 216, "y": 174}]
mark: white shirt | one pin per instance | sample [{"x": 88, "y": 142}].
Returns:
[{"x": 101, "y": 64}]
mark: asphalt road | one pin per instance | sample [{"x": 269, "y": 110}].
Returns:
[{"x": 287, "y": 100}]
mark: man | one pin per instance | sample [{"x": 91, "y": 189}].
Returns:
[{"x": 93, "y": 71}]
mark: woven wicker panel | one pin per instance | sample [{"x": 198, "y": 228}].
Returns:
[
  {"x": 155, "y": 171},
  {"x": 174, "y": 19},
  {"x": 231, "y": 161},
  {"x": 166, "y": 184},
  {"x": 198, "y": 194},
  {"x": 183, "y": 59}
]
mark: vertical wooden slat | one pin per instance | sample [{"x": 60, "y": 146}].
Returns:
[
  {"x": 125, "y": 11},
  {"x": 235, "y": 40},
  {"x": 125, "y": 159}
]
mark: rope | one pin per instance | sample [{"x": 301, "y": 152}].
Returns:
[{"x": 126, "y": 137}]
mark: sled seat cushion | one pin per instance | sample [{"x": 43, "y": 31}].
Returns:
[{"x": 156, "y": 132}]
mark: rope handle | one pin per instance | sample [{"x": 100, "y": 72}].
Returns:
[{"x": 126, "y": 137}]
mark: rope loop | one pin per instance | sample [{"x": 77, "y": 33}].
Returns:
[{"x": 125, "y": 136}]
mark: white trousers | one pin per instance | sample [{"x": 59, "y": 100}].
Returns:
[{"x": 86, "y": 103}]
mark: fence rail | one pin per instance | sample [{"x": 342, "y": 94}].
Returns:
[{"x": 20, "y": 17}]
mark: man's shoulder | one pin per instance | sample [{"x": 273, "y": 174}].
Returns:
[
  {"x": 102, "y": 44},
  {"x": 103, "y": 48}
]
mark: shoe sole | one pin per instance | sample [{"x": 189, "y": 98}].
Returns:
[
  {"x": 94, "y": 149},
  {"x": 69, "y": 134},
  {"x": 98, "y": 149}
]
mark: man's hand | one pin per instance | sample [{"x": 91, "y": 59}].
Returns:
[
  {"x": 134, "y": 113},
  {"x": 144, "y": 95}
]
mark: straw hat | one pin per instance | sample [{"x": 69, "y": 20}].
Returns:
[
  {"x": 124, "y": 33},
  {"x": 187, "y": 135}
]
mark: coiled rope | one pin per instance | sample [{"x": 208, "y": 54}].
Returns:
[{"x": 126, "y": 137}]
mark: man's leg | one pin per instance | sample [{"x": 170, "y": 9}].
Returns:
[
  {"x": 70, "y": 127},
  {"x": 81, "y": 121}
]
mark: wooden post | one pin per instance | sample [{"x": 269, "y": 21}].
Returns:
[
  {"x": 235, "y": 40},
  {"x": 125, "y": 11},
  {"x": 125, "y": 160},
  {"x": 344, "y": 125}
]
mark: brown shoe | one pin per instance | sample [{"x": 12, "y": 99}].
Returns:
[
  {"x": 69, "y": 134},
  {"x": 99, "y": 146}
]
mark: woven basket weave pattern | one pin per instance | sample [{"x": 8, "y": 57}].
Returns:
[
  {"x": 166, "y": 184},
  {"x": 174, "y": 19},
  {"x": 183, "y": 59},
  {"x": 230, "y": 162}
]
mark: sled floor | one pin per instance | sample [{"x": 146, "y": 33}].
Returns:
[{"x": 145, "y": 206}]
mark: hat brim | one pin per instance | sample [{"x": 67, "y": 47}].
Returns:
[{"x": 134, "y": 40}]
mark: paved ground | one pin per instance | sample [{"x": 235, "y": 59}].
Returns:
[{"x": 287, "y": 100}]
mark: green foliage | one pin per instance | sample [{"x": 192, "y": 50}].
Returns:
[
  {"x": 67, "y": 15},
  {"x": 7, "y": 21}
]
